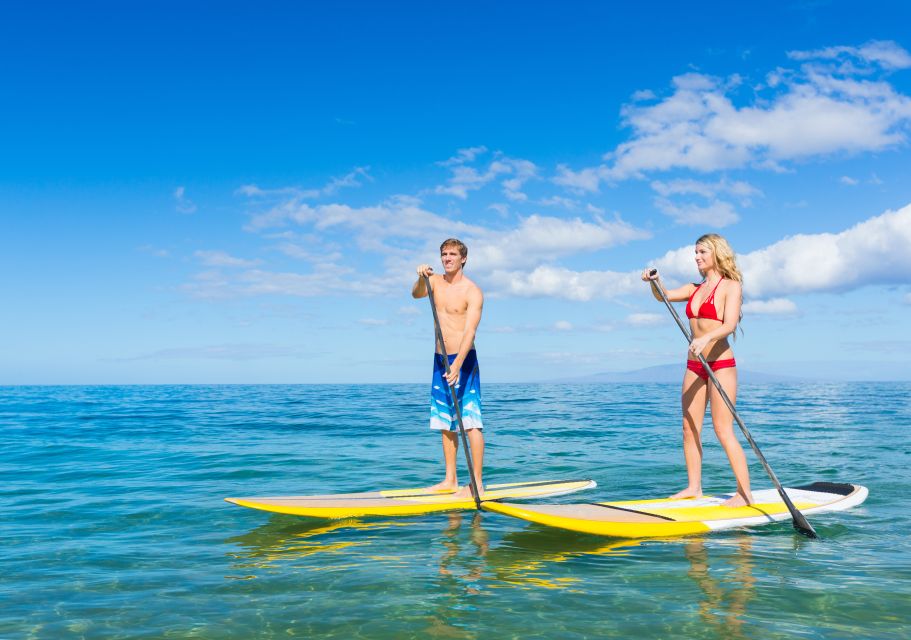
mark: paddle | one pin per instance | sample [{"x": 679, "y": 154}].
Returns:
[
  {"x": 800, "y": 522},
  {"x": 452, "y": 393}
]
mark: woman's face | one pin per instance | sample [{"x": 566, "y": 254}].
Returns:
[{"x": 705, "y": 259}]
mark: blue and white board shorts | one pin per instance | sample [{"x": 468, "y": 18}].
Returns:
[{"x": 468, "y": 391}]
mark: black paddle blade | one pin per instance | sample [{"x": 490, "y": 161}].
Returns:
[{"x": 804, "y": 527}]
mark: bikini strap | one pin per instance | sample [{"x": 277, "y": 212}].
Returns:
[{"x": 711, "y": 297}]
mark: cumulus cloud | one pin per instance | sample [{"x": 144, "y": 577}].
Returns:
[
  {"x": 884, "y": 53},
  {"x": 798, "y": 114},
  {"x": 559, "y": 282},
  {"x": 464, "y": 179},
  {"x": 737, "y": 188},
  {"x": 542, "y": 238},
  {"x": 875, "y": 251},
  {"x": 776, "y": 306},
  {"x": 715, "y": 214},
  {"x": 463, "y": 156},
  {"x": 645, "y": 319}
]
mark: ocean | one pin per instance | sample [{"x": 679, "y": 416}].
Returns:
[{"x": 114, "y": 524}]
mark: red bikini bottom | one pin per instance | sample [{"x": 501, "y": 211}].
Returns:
[{"x": 696, "y": 367}]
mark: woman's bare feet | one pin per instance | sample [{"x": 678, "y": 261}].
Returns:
[
  {"x": 687, "y": 493},
  {"x": 738, "y": 500}
]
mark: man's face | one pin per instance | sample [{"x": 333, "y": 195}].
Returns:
[{"x": 451, "y": 258}]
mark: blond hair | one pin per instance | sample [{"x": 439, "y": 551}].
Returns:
[
  {"x": 725, "y": 260},
  {"x": 725, "y": 263}
]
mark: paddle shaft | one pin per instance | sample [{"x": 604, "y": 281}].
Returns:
[
  {"x": 800, "y": 521},
  {"x": 473, "y": 483}
]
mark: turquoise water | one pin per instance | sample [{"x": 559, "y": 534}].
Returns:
[{"x": 113, "y": 522}]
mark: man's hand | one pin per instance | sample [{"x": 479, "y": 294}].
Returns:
[
  {"x": 425, "y": 270},
  {"x": 453, "y": 376}
]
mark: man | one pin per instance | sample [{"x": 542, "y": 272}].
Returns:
[{"x": 458, "y": 302}]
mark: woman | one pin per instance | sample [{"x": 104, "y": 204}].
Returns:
[{"x": 713, "y": 308}]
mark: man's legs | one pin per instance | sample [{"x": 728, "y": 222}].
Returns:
[{"x": 450, "y": 449}]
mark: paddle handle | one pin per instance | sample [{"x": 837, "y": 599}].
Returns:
[
  {"x": 473, "y": 483},
  {"x": 800, "y": 521}
]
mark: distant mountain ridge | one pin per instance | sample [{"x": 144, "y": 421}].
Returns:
[{"x": 672, "y": 373}]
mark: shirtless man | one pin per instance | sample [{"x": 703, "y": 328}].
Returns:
[{"x": 459, "y": 302}]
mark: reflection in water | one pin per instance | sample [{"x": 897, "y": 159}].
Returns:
[
  {"x": 278, "y": 540},
  {"x": 724, "y": 598},
  {"x": 523, "y": 558},
  {"x": 461, "y": 574}
]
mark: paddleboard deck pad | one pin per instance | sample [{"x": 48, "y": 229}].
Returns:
[
  {"x": 405, "y": 502},
  {"x": 666, "y": 517}
]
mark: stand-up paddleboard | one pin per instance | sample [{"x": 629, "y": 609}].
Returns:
[
  {"x": 666, "y": 517},
  {"x": 405, "y": 502}
]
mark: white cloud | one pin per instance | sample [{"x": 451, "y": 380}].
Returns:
[
  {"x": 542, "y": 238},
  {"x": 848, "y": 180},
  {"x": 183, "y": 204},
  {"x": 464, "y": 156},
  {"x": 563, "y": 325},
  {"x": 875, "y": 251},
  {"x": 716, "y": 214},
  {"x": 776, "y": 306},
  {"x": 646, "y": 319},
  {"x": 465, "y": 178},
  {"x": 586, "y": 180},
  {"x": 559, "y": 282},
  {"x": 559, "y": 201},
  {"x": 223, "y": 259},
  {"x": 799, "y": 114},
  {"x": 354, "y": 178},
  {"x": 738, "y": 188},
  {"x": 885, "y": 53}
]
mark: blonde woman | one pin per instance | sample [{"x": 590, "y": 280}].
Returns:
[{"x": 713, "y": 309}]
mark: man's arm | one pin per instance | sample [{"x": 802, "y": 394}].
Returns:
[
  {"x": 472, "y": 320},
  {"x": 419, "y": 290}
]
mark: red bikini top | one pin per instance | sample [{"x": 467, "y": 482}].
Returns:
[{"x": 707, "y": 310}]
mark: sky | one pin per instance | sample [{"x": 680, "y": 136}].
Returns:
[{"x": 240, "y": 192}]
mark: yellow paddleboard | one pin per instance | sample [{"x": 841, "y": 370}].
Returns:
[
  {"x": 405, "y": 502},
  {"x": 665, "y": 517}
]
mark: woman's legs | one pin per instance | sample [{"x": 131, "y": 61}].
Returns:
[
  {"x": 693, "y": 399},
  {"x": 723, "y": 421}
]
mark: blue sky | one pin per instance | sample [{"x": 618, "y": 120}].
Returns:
[{"x": 223, "y": 192}]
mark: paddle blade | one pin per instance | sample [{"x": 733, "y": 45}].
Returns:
[{"x": 803, "y": 525}]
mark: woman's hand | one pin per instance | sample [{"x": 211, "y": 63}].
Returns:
[
  {"x": 649, "y": 274},
  {"x": 698, "y": 345}
]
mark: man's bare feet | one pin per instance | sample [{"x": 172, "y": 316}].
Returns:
[
  {"x": 444, "y": 486},
  {"x": 465, "y": 492},
  {"x": 738, "y": 500},
  {"x": 687, "y": 493}
]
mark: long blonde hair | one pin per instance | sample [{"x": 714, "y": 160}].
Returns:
[
  {"x": 725, "y": 263},
  {"x": 725, "y": 260}
]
